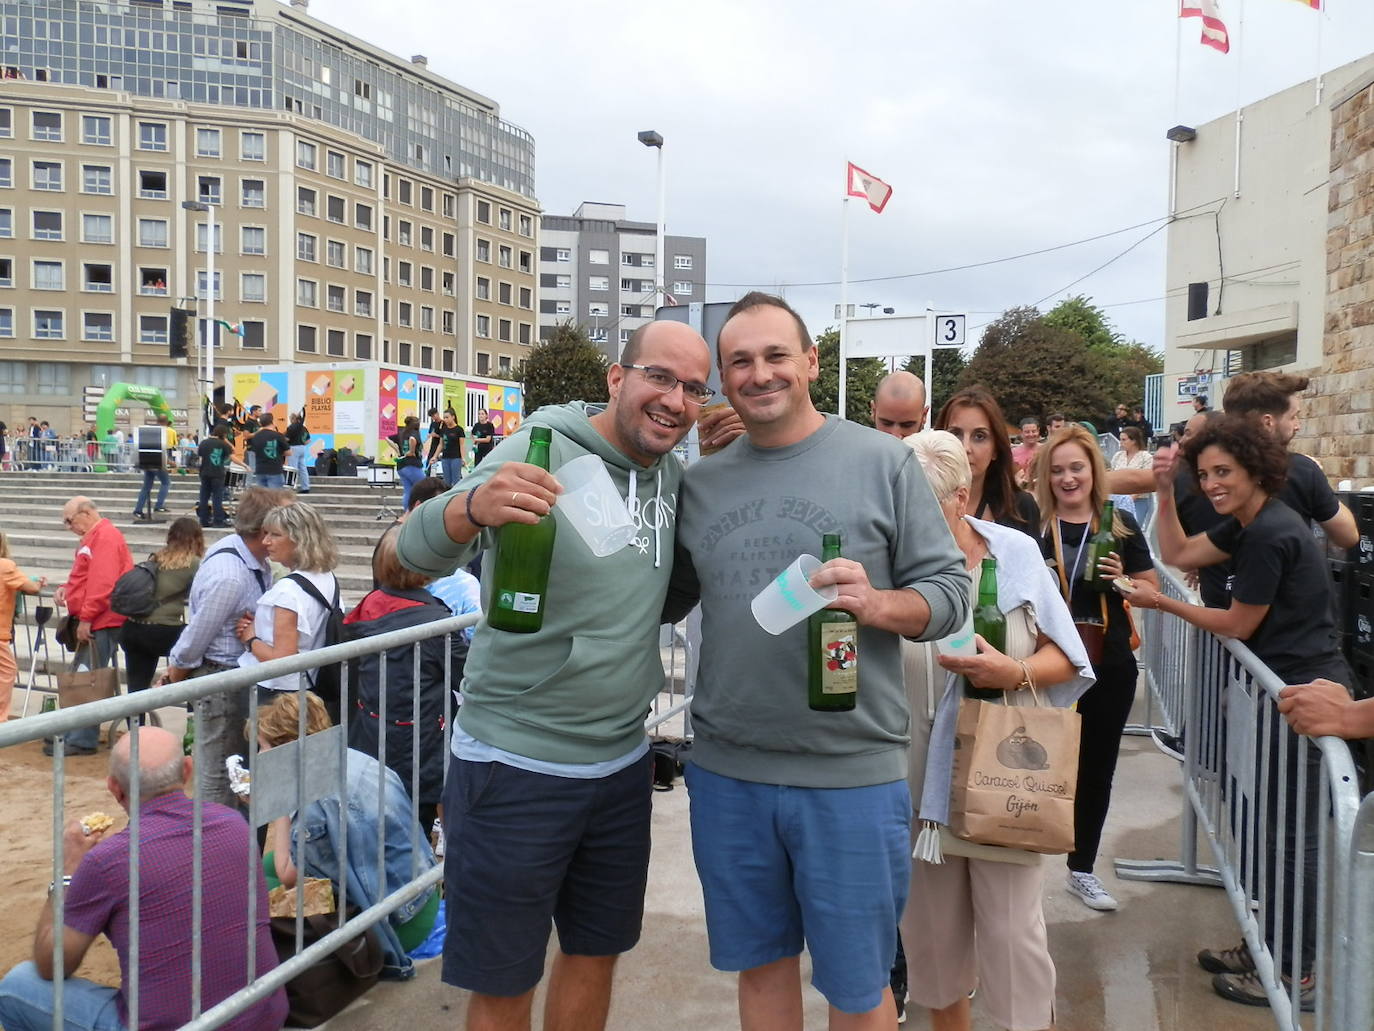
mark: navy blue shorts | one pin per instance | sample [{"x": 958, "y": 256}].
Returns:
[{"x": 527, "y": 851}]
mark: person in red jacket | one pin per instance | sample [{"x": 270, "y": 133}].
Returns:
[{"x": 102, "y": 557}]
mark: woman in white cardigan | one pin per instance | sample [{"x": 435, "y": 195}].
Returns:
[{"x": 973, "y": 914}]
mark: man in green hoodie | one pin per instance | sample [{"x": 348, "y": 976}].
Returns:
[
  {"x": 547, "y": 800},
  {"x": 800, "y": 818}
]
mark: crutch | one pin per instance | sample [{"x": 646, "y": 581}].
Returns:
[{"x": 41, "y": 614}]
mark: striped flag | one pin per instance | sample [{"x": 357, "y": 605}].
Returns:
[
  {"x": 1316, "y": 5},
  {"x": 869, "y": 187},
  {"x": 1214, "y": 32}
]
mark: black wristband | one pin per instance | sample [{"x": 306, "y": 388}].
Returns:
[{"x": 468, "y": 509}]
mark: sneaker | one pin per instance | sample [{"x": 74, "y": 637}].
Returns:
[
  {"x": 162, "y": 510},
  {"x": 1248, "y": 990},
  {"x": 900, "y": 1002},
  {"x": 1170, "y": 744},
  {"x": 437, "y": 836},
  {"x": 1088, "y": 889},
  {"x": 1227, "y": 961}
]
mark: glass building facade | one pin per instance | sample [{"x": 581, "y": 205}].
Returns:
[{"x": 266, "y": 56}]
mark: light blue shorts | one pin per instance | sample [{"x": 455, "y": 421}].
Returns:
[{"x": 784, "y": 866}]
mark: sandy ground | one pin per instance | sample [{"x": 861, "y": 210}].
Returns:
[{"x": 26, "y": 846}]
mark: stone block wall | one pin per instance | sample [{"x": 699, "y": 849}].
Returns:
[{"x": 1338, "y": 412}]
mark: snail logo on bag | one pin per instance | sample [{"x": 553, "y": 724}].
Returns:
[{"x": 1019, "y": 751}]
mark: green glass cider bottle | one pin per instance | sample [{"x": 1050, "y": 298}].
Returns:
[
  {"x": 520, "y": 578},
  {"x": 989, "y": 623},
  {"x": 1100, "y": 545},
  {"x": 832, "y": 650},
  {"x": 188, "y": 740}
]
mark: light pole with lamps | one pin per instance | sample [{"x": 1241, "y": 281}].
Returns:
[
  {"x": 208, "y": 330},
  {"x": 650, "y": 138}
]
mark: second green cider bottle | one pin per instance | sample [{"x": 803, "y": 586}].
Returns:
[
  {"x": 520, "y": 577},
  {"x": 989, "y": 623}
]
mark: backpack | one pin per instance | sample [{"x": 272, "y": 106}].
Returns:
[
  {"x": 327, "y": 680},
  {"x": 135, "y": 593}
]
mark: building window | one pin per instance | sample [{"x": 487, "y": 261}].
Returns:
[
  {"x": 598, "y": 257},
  {"x": 484, "y": 212},
  {"x": 207, "y": 143},
  {"x": 7, "y": 172},
  {"x": 208, "y": 189},
  {"x": 403, "y": 273},
  {"x": 564, "y": 282},
  {"x": 362, "y": 303},
  {"x": 305, "y": 201},
  {"x": 336, "y": 254},
  {"x": 503, "y": 219},
  {"x": 446, "y": 283},
  {"x": 97, "y": 179},
  {"x": 152, "y": 185},
  {"x": 362, "y": 346},
  {"x": 335, "y": 165},
  {"x": 336, "y": 209},
  {"x": 598, "y": 309},
  {"x": 152, "y": 280},
  {"x": 6, "y": 272},
  {"x": 6, "y": 222},
  {"x": 362, "y": 176},
  {"x": 48, "y": 275},
  {"x": 646, "y": 261},
  {"x": 96, "y": 130},
  {"x": 483, "y": 363},
  {"x": 526, "y": 333},
  {"x": 448, "y": 205},
  {"x": 6, "y": 124},
  {"x": 403, "y": 190},
  {"x": 253, "y": 193},
  {"x": 152, "y": 329},
  {"x": 504, "y": 257},
  {"x": 446, "y": 321},
  {"x": 47, "y": 225},
  {"x": 403, "y": 229},
  {"x": 448, "y": 245},
  {"x": 503, "y": 364},
  {"x": 426, "y": 239},
  {"x": 305, "y": 155},
  {"x": 152, "y": 135},
  {"x": 362, "y": 216},
  {"x": 682, "y": 261},
  {"x": 98, "y": 228},
  {"x": 562, "y": 308},
  {"x": 202, "y": 285},
  {"x": 503, "y": 293},
  {"x": 97, "y": 278},
  {"x": 427, "y": 318},
  {"x": 484, "y": 326},
  {"x": 253, "y": 287},
  {"x": 598, "y": 283},
  {"x": 252, "y": 146},
  {"x": 503, "y": 329},
  {"x": 334, "y": 343},
  {"x": 427, "y": 278},
  {"x": 47, "y": 175},
  {"x": 448, "y": 359},
  {"x": 526, "y": 225},
  {"x": 484, "y": 250},
  {"x": 403, "y": 353},
  {"x": 203, "y": 237},
  {"x": 49, "y": 325},
  {"x": 403, "y": 314},
  {"x": 336, "y": 298},
  {"x": 629, "y": 311},
  {"x": 426, "y": 198},
  {"x": 47, "y": 125},
  {"x": 252, "y": 240},
  {"x": 682, "y": 288},
  {"x": 483, "y": 288},
  {"x": 97, "y": 325},
  {"x": 307, "y": 293},
  {"x": 152, "y": 232},
  {"x": 527, "y": 261},
  {"x": 305, "y": 339},
  {"x": 362, "y": 260}
]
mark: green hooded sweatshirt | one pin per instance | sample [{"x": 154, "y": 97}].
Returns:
[{"x": 578, "y": 690}]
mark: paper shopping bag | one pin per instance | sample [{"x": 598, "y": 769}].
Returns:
[{"x": 1015, "y": 773}]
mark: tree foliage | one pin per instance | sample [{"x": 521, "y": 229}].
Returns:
[
  {"x": 862, "y": 376},
  {"x": 949, "y": 366},
  {"x": 566, "y": 367},
  {"x": 1071, "y": 360}
]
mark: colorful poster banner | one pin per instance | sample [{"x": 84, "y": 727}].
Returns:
[
  {"x": 407, "y": 396},
  {"x": 387, "y": 410}
]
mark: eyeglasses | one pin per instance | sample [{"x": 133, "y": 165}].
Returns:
[{"x": 664, "y": 381}]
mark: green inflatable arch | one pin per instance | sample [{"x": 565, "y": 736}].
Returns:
[{"x": 119, "y": 392}]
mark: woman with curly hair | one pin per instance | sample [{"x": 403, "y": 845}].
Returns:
[
  {"x": 974, "y": 416},
  {"x": 1280, "y": 606}
]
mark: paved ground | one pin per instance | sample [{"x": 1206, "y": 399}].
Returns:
[{"x": 1132, "y": 970}]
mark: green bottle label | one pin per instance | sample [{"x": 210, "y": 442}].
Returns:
[
  {"x": 519, "y": 601},
  {"x": 839, "y": 657}
]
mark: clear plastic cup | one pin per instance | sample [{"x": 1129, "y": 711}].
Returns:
[
  {"x": 789, "y": 597},
  {"x": 593, "y": 506},
  {"x": 960, "y": 643}
]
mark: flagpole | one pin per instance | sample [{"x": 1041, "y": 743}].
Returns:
[
  {"x": 1177, "y": 119},
  {"x": 844, "y": 295},
  {"x": 1240, "y": 115},
  {"x": 1321, "y": 19}
]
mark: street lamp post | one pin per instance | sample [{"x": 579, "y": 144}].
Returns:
[
  {"x": 208, "y": 331},
  {"x": 650, "y": 138}
]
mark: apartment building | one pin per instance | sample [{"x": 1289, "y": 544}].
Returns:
[
  {"x": 360, "y": 207},
  {"x": 596, "y": 269}
]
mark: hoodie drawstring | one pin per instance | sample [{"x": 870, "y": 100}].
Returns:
[{"x": 632, "y": 495}]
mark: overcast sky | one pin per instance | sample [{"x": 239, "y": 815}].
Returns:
[{"x": 1004, "y": 126}]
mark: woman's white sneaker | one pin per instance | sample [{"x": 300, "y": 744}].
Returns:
[{"x": 1088, "y": 889}]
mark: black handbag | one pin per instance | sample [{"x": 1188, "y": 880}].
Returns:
[
  {"x": 331, "y": 984},
  {"x": 65, "y": 634}
]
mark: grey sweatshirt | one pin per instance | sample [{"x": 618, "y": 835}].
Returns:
[{"x": 746, "y": 513}]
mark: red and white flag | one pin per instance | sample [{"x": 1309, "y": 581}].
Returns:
[
  {"x": 1316, "y": 5},
  {"x": 1214, "y": 32},
  {"x": 869, "y": 187}
]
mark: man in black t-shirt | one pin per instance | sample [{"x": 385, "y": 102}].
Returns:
[
  {"x": 215, "y": 453},
  {"x": 448, "y": 443},
  {"x": 268, "y": 448},
  {"x": 483, "y": 436}
]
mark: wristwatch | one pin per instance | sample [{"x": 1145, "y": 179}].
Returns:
[{"x": 66, "y": 883}]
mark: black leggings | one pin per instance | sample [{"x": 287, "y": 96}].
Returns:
[
  {"x": 1105, "y": 708},
  {"x": 144, "y": 645}
]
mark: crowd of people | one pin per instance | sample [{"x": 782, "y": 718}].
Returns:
[{"x": 803, "y": 823}]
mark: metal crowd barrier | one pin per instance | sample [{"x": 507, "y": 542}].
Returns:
[{"x": 1281, "y": 814}]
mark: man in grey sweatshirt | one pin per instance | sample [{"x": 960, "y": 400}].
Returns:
[
  {"x": 547, "y": 799},
  {"x": 800, "y": 819}
]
